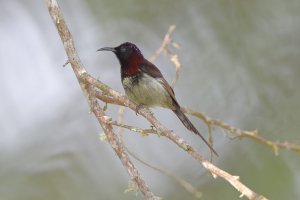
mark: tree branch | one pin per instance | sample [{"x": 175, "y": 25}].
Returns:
[
  {"x": 239, "y": 133},
  {"x": 88, "y": 85},
  {"x": 145, "y": 132},
  {"x": 88, "y": 90},
  {"x": 122, "y": 100}
]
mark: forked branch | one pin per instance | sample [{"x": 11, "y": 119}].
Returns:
[{"x": 93, "y": 89}]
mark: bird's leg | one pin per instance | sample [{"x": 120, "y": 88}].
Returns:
[{"x": 139, "y": 107}]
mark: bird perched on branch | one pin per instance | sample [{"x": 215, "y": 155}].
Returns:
[{"x": 145, "y": 85}]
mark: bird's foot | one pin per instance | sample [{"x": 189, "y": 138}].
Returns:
[{"x": 138, "y": 108}]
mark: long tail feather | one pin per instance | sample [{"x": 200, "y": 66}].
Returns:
[{"x": 188, "y": 124}]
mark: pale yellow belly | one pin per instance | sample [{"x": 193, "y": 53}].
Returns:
[{"x": 147, "y": 91}]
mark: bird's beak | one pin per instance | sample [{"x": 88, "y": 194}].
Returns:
[{"x": 108, "y": 49}]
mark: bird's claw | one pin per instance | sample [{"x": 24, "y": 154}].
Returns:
[{"x": 138, "y": 108}]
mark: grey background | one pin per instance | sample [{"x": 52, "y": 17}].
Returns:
[{"x": 241, "y": 65}]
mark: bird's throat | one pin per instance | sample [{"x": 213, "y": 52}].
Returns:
[{"x": 131, "y": 67}]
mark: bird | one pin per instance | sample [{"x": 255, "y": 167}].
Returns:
[{"x": 145, "y": 85}]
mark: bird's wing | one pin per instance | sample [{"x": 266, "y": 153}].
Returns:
[
  {"x": 154, "y": 72},
  {"x": 150, "y": 69}
]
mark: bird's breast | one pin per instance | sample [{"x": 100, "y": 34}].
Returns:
[{"x": 146, "y": 90}]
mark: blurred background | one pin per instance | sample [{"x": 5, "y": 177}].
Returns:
[{"x": 240, "y": 64}]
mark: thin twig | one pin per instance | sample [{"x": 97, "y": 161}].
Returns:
[
  {"x": 166, "y": 41},
  {"x": 173, "y": 56},
  {"x": 144, "y": 132},
  {"x": 183, "y": 183},
  {"x": 239, "y": 133}
]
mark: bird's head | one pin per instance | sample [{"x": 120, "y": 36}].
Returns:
[{"x": 126, "y": 53}]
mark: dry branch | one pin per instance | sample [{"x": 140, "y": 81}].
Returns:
[
  {"x": 164, "y": 47},
  {"x": 88, "y": 85},
  {"x": 122, "y": 100},
  {"x": 239, "y": 133},
  {"x": 145, "y": 132},
  {"x": 88, "y": 91}
]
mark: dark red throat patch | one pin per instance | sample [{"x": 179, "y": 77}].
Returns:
[{"x": 133, "y": 64}]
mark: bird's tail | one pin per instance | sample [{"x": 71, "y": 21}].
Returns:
[{"x": 188, "y": 124}]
